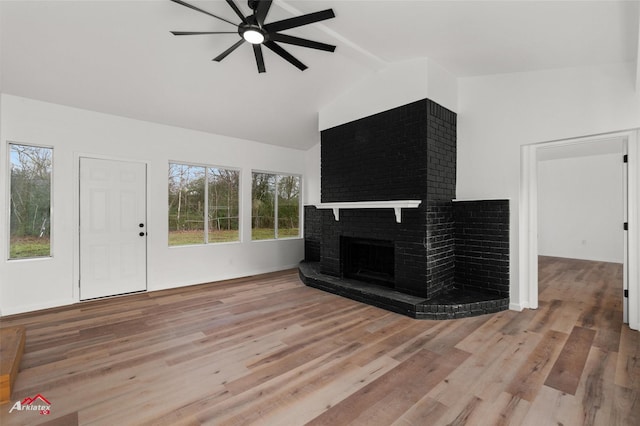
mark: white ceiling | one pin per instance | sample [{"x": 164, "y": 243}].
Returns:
[{"x": 118, "y": 57}]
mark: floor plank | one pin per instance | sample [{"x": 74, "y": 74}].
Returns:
[
  {"x": 568, "y": 368},
  {"x": 534, "y": 371},
  {"x": 267, "y": 350}
]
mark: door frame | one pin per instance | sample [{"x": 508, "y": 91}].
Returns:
[
  {"x": 528, "y": 219},
  {"x": 76, "y": 213}
]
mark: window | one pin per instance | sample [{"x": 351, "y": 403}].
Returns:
[
  {"x": 203, "y": 204},
  {"x": 223, "y": 205},
  {"x": 275, "y": 207},
  {"x": 288, "y": 207},
  {"x": 30, "y": 201}
]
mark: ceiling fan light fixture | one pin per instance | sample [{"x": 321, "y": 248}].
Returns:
[{"x": 253, "y": 36}]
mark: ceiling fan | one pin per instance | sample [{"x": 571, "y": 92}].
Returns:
[{"x": 255, "y": 31}]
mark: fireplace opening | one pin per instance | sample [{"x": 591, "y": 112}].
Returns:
[{"x": 368, "y": 260}]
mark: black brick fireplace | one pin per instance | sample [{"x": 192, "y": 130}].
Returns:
[{"x": 408, "y": 260}]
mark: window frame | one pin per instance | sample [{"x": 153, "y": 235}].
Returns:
[
  {"x": 8, "y": 257},
  {"x": 278, "y": 175},
  {"x": 205, "y": 231}
]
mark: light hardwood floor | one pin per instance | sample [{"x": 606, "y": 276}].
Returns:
[{"x": 267, "y": 350}]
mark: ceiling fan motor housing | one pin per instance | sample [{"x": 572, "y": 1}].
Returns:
[{"x": 252, "y": 25}]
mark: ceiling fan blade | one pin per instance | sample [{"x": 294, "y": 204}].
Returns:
[
  {"x": 284, "y": 38},
  {"x": 285, "y": 55},
  {"x": 257, "y": 50},
  {"x": 262, "y": 10},
  {"x": 229, "y": 50},
  {"x": 299, "y": 21},
  {"x": 202, "y": 11},
  {"x": 179, "y": 33},
  {"x": 237, "y": 11}
]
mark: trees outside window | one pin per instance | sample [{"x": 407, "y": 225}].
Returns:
[
  {"x": 275, "y": 211},
  {"x": 203, "y": 204},
  {"x": 288, "y": 206},
  {"x": 263, "y": 189},
  {"x": 224, "y": 205},
  {"x": 30, "y": 201}
]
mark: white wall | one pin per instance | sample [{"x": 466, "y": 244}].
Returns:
[
  {"x": 312, "y": 175},
  {"x": 498, "y": 114},
  {"x": 580, "y": 208},
  {"x": 398, "y": 84},
  {"x": 40, "y": 283}
]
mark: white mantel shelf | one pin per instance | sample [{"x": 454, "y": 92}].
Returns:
[{"x": 396, "y": 205}]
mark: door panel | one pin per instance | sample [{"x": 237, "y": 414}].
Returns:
[{"x": 112, "y": 208}]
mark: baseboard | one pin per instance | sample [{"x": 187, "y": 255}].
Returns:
[{"x": 516, "y": 307}]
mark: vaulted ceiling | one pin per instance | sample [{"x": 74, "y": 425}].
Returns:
[{"x": 119, "y": 57}]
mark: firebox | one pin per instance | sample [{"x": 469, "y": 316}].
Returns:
[{"x": 368, "y": 260}]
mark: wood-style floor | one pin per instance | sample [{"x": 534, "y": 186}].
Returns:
[{"x": 267, "y": 350}]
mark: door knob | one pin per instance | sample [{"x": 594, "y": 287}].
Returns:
[
  {"x": 141, "y": 225},
  {"x": 141, "y": 234}
]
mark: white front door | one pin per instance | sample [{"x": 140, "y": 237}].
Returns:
[{"x": 113, "y": 227}]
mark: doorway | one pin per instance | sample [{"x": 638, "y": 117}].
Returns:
[
  {"x": 581, "y": 205},
  {"x": 528, "y": 218},
  {"x": 113, "y": 227}
]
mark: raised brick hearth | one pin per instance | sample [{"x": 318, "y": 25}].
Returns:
[{"x": 438, "y": 260}]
